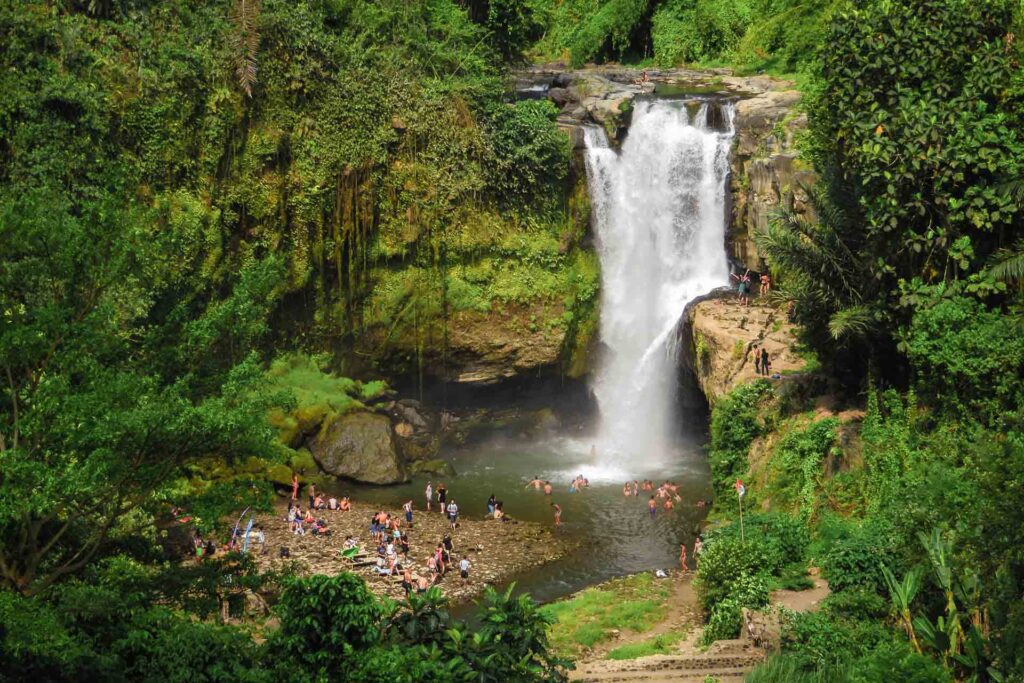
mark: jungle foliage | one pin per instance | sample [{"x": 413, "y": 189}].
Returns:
[{"x": 777, "y": 35}]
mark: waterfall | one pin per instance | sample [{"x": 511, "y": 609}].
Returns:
[{"x": 659, "y": 217}]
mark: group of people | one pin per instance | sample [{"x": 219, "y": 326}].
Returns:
[
  {"x": 762, "y": 361},
  {"x": 444, "y": 505},
  {"x": 698, "y": 548},
  {"x": 207, "y": 547},
  {"x": 743, "y": 285},
  {"x": 299, "y": 523}
]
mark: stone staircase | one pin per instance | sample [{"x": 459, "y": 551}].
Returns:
[{"x": 726, "y": 661}]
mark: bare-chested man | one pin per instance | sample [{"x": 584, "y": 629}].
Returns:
[
  {"x": 536, "y": 483},
  {"x": 547, "y": 488}
]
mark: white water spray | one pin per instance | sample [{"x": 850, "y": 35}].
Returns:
[{"x": 659, "y": 215}]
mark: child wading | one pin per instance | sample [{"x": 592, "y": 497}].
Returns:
[{"x": 558, "y": 514}]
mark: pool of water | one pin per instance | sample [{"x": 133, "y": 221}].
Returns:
[{"x": 617, "y": 535}]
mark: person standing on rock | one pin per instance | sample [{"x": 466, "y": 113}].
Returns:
[
  {"x": 442, "y": 496},
  {"x": 757, "y": 360},
  {"x": 430, "y": 495},
  {"x": 453, "y": 513},
  {"x": 464, "y": 565},
  {"x": 765, "y": 362},
  {"x": 408, "y": 512},
  {"x": 682, "y": 556}
]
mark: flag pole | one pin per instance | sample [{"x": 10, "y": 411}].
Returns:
[{"x": 740, "y": 490}]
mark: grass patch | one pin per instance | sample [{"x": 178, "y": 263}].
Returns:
[
  {"x": 658, "y": 645},
  {"x": 631, "y": 603}
]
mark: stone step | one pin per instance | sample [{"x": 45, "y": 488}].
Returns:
[
  {"x": 721, "y": 674},
  {"x": 680, "y": 662}
]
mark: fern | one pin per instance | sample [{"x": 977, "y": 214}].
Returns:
[{"x": 245, "y": 41}]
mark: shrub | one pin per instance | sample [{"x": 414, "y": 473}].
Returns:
[
  {"x": 774, "y": 540},
  {"x": 856, "y": 604},
  {"x": 968, "y": 360},
  {"x": 819, "y": 640},
  {"x": 855, "y": 561},
  {"x": 734, "y": 425}
]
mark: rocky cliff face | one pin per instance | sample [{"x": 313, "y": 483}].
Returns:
[
  {"x": 720, "y": 337},
  {"x": 767, "y": 172}
]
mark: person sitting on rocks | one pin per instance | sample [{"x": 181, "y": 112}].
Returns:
[
  {"x": 490, "y": 504},
  {"x": 345, "y": 504},
  {"x": 318, "y": 503},
  {"x": 499, "y": 513},
  {"x": 332, "y": 503},
  {"x": 309, "y": 518},
  {"x": 382, "y": 549}
]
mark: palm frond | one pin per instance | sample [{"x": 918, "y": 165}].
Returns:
[
  {"x": 855, "y": 321},
  {"x": 1007, "y": 264},
  {"x": 245, "y": 41}
]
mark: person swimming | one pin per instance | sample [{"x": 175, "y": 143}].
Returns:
[
  {"x": 536, "y": 483},
  {"x": 547, "y": 488},
  {"x": 626, "y": 490}
]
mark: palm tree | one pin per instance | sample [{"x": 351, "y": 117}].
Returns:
[{"x": 821, "y": 269}]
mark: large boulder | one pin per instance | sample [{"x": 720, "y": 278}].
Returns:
[{"x": 360, "y": 446}]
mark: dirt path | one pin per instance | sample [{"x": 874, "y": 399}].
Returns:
[{"x": 803, "y": 601}]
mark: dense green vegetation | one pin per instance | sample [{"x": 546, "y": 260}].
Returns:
[
  {"x": 208, "y": 210},
  {"x": 907, "y": 282},
  {"x": 775, "y": 35}
]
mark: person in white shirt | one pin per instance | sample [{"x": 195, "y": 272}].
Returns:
[
  {"x": 453, "y": 513},
  {"x": 464, "y": 565},
  {"x": 430, "y": 495}
]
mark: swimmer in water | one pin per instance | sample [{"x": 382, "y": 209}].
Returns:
[
  {"x": 547, "y": 488},
  {"x": 535, "y": 483},
  {"x": 626, "y": 490},
  {"x": 668, "y": 504},
  {"x": 636, "y": 488}
]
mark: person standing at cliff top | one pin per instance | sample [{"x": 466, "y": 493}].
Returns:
[{"x": 430, "y": 495}]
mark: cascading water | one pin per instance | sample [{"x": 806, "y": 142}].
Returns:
[{"x": 659, "y": 215}]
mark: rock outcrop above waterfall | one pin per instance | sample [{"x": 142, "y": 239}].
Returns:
[
  {"x": 767, "y": 172},
  {"x": 719, "y": 335},
  {"x": 360, "y": 446}
]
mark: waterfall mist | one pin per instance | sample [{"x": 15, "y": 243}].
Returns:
[{"x": 659, "y": 217}]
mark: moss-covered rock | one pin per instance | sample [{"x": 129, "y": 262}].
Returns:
[
  {"x": 359, "y": 446},
  {"x": 436, "y": 466}
]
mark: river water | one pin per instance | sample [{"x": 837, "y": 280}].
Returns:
[{"x": 618, "y": 535}]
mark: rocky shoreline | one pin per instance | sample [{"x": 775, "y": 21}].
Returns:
[{"x": 498, "y": 550}]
